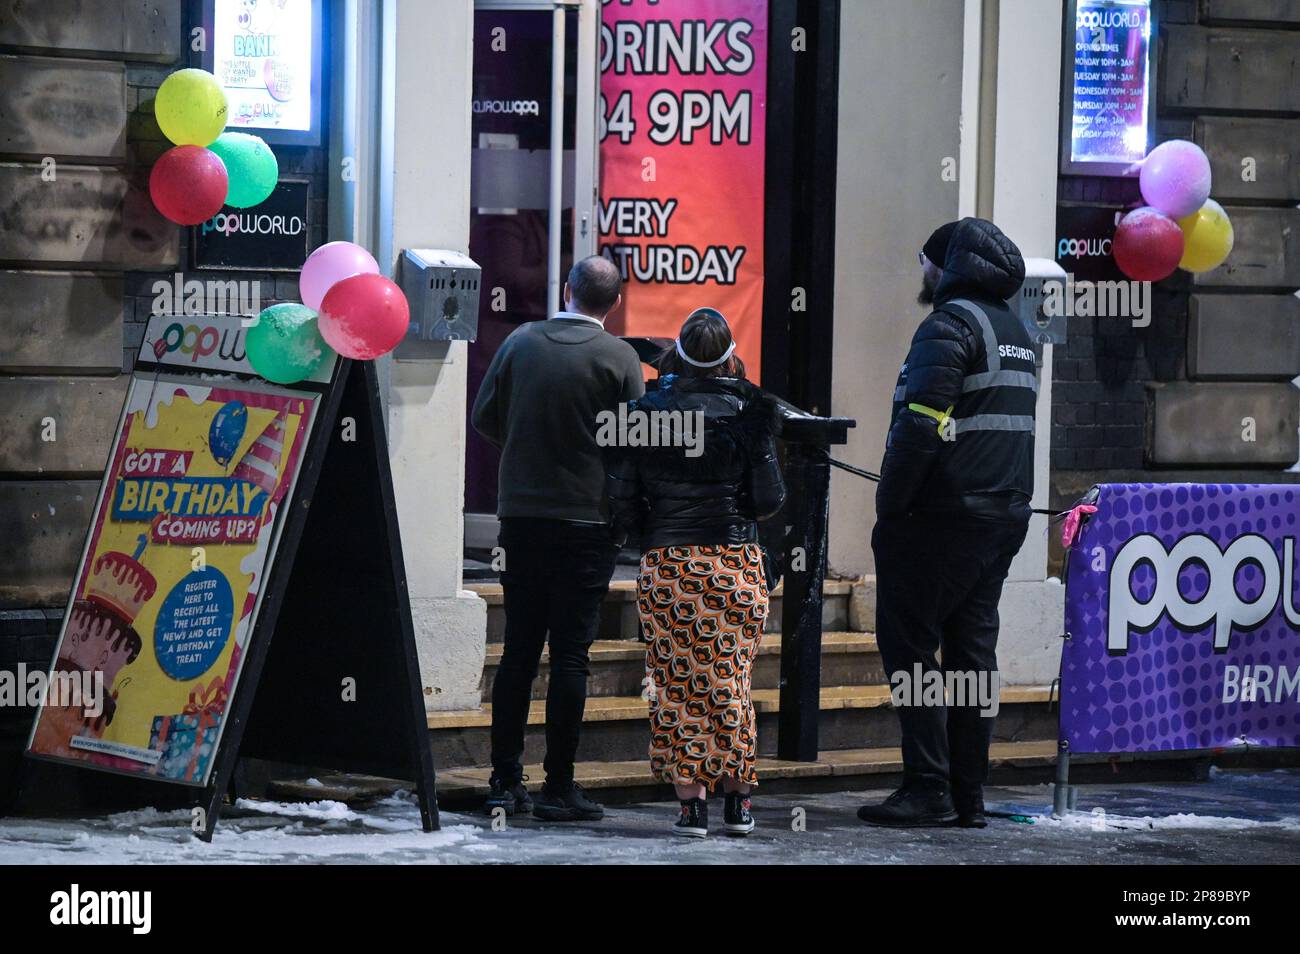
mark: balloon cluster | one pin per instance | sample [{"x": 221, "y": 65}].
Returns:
[
  {"x": 362, "y": 314},
  {"x": 207, "y": 168},
  {"x": 1180, "y": 226},
  {"x": 347, "y": 307}
]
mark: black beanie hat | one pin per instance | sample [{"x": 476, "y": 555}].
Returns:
[{"x": 936, "y": 246}]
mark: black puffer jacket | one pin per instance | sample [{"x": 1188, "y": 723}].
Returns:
[
  {"x": 974, "y": 356},
  {"x": 711, "y": 491}
]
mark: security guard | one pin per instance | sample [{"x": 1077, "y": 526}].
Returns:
[{"x": 952, "y": 511}]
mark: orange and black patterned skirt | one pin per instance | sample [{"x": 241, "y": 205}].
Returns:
[{"x": 702, "y": 610}]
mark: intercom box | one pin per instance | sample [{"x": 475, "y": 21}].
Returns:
[
  {"x": 1046, "y": 325},
  {"x": 442, "y": 289}
]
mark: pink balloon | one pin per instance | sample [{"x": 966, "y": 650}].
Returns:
[
  {"x": 331, "y": 263},
  {"x": 365, "y": 316},
  {"x": 1148, "y": 245},
  {"x": 1175, "y": 178}
]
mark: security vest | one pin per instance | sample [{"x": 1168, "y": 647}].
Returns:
[{"x": 988, "y": 434}]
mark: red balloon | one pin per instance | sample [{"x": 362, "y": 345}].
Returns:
[
  {"x": 1148, "y": 245},
  {"x": 364, "y": 316},
  {"x": 188, "y": 184}
]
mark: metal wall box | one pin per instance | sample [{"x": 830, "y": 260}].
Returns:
[
  {"x": 442, "y": 288},
  {"x": 1028, "y": 303}
]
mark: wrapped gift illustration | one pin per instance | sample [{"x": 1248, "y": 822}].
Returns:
[{"x": 188, "y": 739}]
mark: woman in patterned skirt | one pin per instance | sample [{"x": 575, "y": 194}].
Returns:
[{"x": 691, "y": 484}]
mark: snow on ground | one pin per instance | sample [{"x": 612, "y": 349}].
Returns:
[
  {"x": 252, "y": 833},
  {"x": 1232, "y": 818}
]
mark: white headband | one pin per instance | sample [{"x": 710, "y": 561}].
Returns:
[{"x": 705, "y": 364}]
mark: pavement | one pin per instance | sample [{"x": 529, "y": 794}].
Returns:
[{"x": 1233, "y": 818}]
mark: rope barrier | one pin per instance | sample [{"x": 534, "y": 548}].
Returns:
[{"x": 869, "y": 475}]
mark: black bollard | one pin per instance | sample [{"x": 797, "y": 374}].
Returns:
[
  {"x": 807, "y": 439},
  {"x": 808, "y": 475}
]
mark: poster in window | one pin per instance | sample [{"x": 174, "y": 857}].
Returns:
[{"x": 267, "y": 56}]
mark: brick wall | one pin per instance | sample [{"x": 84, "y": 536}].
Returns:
[
  {"x": 79, "y": 255},
  {"x": 1167, "y": 401}
]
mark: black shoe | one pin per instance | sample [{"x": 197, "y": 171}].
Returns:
[
  {"x": 970, "y": 810},
  {"x": 565, "y": 803},
  {"x": 912, "y": 807},
  {"x": 735, "y": 814},
  {"x": 694, "y": 820},
  {"x": 512, "y": 796}
]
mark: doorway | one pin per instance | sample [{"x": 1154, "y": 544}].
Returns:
[{"x": 533, "y": 188}]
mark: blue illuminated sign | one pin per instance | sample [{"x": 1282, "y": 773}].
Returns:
[{"x": 1109, "y": 86}]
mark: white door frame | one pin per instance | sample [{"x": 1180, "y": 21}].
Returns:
[
  {"x": 481, "y": 529},
  {"x": 585, "y": 143}
]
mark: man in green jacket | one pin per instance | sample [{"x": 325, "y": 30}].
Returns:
[{"x": 539, "y": 403}]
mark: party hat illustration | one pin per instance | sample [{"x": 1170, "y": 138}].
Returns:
[{"x": 260, "y": 465}]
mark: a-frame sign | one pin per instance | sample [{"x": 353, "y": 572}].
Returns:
[{"x": 242, "y": 591}]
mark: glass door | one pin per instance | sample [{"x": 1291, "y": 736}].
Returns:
[{"x": 532, "y": 187}]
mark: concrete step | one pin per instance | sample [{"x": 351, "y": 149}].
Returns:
[
  {"x": 632, "y": 780},
  {"x": 847, "y": 605},
  {"x": 615, "y": 728},
  {"x": 618, "y": 665}
]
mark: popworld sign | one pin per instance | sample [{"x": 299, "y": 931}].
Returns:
[
  {"x": 1182, "y": 620},
  {"x": 206, "y": 342},
  {"x": 1083, "y": 247},
  {"x": 1221, "y": 604},
  {"x": 200, "y": 341}
]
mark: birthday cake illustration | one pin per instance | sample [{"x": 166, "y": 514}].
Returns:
[
  {"x": 121, "y": 583},
  {"x": 100, "y": 638}
]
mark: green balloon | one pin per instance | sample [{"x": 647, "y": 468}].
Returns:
[
  {"x": 252, "y": 168},
  {"x": 285, "y": 345}
]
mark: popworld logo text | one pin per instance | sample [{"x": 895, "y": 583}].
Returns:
[{"x": 1221, "y": 603}]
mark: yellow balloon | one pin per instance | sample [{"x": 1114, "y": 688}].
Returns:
[
  {"x": 1207, "y": 238},
  {"x": 191, "y": 108}
]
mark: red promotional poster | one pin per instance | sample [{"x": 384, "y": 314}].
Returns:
[{"x": 683, "y": 113}]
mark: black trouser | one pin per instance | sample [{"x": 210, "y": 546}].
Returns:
[
  {"x": 556, "y": 575},
  {"x": 938, "y": 582}
]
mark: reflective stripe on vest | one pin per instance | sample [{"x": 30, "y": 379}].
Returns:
[
  {"x": 999, "y": 379},
  {"x": 994, "y": 422},
  {"x": 994, "y": 377}
]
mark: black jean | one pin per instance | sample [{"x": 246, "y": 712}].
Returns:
[
  {"x": 556, "y": 575},
  {"x": 938, "y": 582}
]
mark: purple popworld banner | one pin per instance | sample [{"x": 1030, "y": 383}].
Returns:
[{"x": 1181, "y": 607}]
